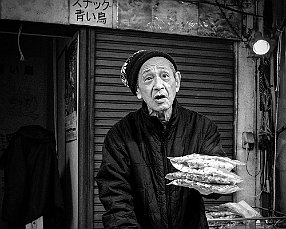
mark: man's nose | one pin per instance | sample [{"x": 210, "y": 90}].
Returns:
[{"x": 158, "y": 83}]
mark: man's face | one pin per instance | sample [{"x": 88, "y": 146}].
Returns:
[{"x": 158, "y": 83}]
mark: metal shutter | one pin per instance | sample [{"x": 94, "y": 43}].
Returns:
[{"x": 207, "y": 85}]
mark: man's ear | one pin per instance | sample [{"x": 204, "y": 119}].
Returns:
[
  {"x": 178, "y": 80},
  {"x": 138, "y": 93}
]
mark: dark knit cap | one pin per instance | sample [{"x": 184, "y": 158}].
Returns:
[{"x": 130, "y": 69}]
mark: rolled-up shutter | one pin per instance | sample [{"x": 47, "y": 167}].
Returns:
[{"x": 207, "y": 85}]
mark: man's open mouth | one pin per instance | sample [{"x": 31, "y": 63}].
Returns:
[{"x": 158, "y": 97}]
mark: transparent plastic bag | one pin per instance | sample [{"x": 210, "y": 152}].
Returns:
[
  {"x": 205, "y": 178},
  {"x": 205, "y": 173},
  {"x": 227, "y": 176},
  {"x": 205, "y": 188}
]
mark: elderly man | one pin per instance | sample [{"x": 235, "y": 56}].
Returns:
[{"x": 131, "y": 179}]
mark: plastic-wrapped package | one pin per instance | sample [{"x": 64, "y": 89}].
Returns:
[
  {"x": 198, "y": 163},
  {"x": 207, "y": 174},
  {"x": 243, "y": 209},
  {"x": 199, "y": 160},
  {"x": 205, "y": 188},
  {"x": 200, "y": 176}
]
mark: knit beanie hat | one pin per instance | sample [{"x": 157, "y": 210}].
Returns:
[{"x": 130, "y": 69}]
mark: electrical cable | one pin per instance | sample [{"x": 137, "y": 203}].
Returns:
[
  {"x": 228, "y": 22},
  {"x": 263, "y": 181},
  {"x": 253, "y": 175},
  {"x": 283, "y": 24},
  {"x": 276, "y": 116},
  {"x": 255, "y": 123},
  {"x": 223, "y": 6},
  {"x": 22, "y": 58},
  {"x": 227, "y": 8},
  {"x": 266, "y": 132}
]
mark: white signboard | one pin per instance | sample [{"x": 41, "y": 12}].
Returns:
[{"x": 91, "y": 12}]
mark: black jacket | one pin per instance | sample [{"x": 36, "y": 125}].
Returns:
[
  {"x": 32, "y": 185},
  {"x": 131, "y": 179}
]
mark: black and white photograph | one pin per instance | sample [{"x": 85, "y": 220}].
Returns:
[{"x": 146, "y": 114}]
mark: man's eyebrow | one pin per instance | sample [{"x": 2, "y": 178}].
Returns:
[
  {"x": 146, "y": 71},
  {"x": 150, "y": 68}
]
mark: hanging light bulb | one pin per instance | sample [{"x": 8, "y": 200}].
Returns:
[
  {"x": 261, "y": 47},
  {"x": 259, "y": 44}
]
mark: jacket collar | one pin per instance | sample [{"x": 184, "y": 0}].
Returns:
[{"x": 152, "y": 120}]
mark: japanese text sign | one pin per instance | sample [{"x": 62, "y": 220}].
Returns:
[{"x": 91, "y": 12}]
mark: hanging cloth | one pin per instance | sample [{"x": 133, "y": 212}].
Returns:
[{"x": 32, "y": 184}]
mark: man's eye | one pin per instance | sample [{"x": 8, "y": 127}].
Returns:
[
  {"x": 148, "y": 78},
  {"x": 165, "y": 75}
]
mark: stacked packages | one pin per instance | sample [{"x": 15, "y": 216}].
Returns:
[
  {"x": 207, "y": 174},
  {"x": 217, "y": 215}
]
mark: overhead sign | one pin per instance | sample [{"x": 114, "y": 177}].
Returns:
[{"x": 91, "y": 12}]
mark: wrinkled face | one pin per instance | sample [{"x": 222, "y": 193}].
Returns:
[{"x": 158, "y": 83}]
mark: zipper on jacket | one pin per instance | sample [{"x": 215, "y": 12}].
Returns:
[{"x": 165, "y": 164}]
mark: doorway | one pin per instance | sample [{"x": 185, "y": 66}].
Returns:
[{"x": 33, "y": 82}]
